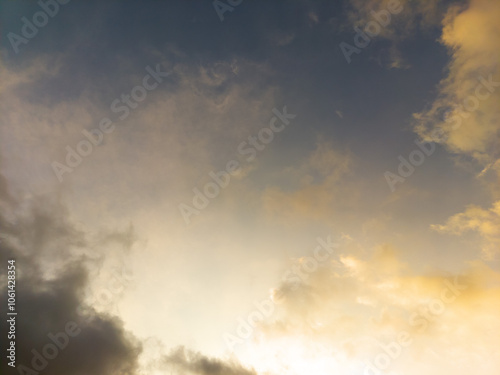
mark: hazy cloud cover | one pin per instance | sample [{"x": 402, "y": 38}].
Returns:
[{"x": 116, "y": 116}]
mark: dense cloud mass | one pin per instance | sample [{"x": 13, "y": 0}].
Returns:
[
  {"x": 47, "y": 302},
  {"x": 362, "y": 305},
  {"x": 188, "y": 362},
  {"x": 465, "y": 116},
  {"x": 51, "y": 305}
]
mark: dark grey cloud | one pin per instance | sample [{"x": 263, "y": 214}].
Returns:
[
  {"x": 47, "y": 302},
  {"x": 185, "y": 361},
  {"x": 54, "y": 266}
]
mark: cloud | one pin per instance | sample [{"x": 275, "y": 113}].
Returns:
[
  {"x": 485, "y": 222},
  {"x": 52, "y": 277},
  {"x": 318, "y": 186},
  {"x": 205, "y": 109},
  {"x": 56, "y": 264},
  {"x": 313, "y": 17},
  {"x": 364, "y": 298},
  {"x": 392, "y": 58},
  {"x": 187, "y": 361},
  {"x": 410, "y": 18},
  {"x": 282, "y": 38},
  {"x": 415, "y": 15},
  {"x": 466, "y": 109}
]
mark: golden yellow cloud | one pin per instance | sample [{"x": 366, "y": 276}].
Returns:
[
  {"x": 465, "y": 116},
  {"x": 485, "y": 222},
  {"x": 350, "y": 309}
]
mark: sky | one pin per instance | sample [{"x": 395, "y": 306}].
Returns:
[{"x": 238, "y": 187}]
